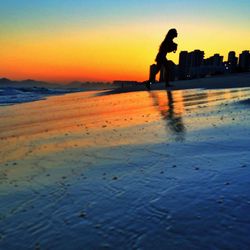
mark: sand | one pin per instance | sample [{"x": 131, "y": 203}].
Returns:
[{"x": 138, "y": 170}]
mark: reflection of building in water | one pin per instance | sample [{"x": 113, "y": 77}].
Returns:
[
  {"x": 172, "y": 105},
  {"x": 219, "y": 96},
  {"x": 171, "y": 110},
  {"x": 194, "y": 98},
  {"x": 211, "y": 97}
]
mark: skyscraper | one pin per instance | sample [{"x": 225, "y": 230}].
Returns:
[
  {"x": 244, "y": 61},
  {"x": 232, "y": 61},
  {"x": 183, "y": 64},
  {"x": 189, "y": 63},
  {"x": 217, "y": 60},
  {"x": 196, "y": 58}
]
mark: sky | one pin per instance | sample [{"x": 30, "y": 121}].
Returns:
[{"x": 106, "y": 40}]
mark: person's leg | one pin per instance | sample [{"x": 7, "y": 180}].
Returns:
[{"x": 153, "y": 71}]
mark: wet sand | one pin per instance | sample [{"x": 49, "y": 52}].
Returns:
[{"x": 139, "y": 170}]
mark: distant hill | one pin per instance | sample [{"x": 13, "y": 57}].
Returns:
[
  {"x": 29, "y": 83},
  {"x": 5, "y": 82}
]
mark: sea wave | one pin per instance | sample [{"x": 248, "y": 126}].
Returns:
[{"x": 13, "y": 95}]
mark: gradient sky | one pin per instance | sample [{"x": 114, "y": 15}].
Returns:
[{"x": 105, "y": 40}]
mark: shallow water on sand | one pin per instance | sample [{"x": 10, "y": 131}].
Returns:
[{"x": 142, "y": 170}]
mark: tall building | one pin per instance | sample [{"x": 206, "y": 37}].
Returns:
[
  {"x": 217, "y": 60},
  {"x": 192, "y": 64},
  {"x": 183, "y": 65},
  {"x": 196, "y": 58},
  {"x": 232, "y": 61},
  {"x": 244, "y": 61},
  {"x": 214, "y": 65},
  {"x": 189, "y": 63}
]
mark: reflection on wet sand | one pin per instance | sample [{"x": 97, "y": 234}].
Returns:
[
  {"x": 85, "y": 120},
  {"x": 171, "y": 112},
  {"x": 121, "y": 170},
  {"x": 213, "y": 97}
]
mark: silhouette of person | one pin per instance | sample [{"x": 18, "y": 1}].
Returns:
[{"x": 166, "y": 46}]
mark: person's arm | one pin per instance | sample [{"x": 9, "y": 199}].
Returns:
[{"x": 175, "y": 47}]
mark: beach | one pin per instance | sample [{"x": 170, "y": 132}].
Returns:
[{"x": 160, "y": 169}]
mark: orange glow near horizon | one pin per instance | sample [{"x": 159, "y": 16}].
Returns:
[{"x": 120, "y": 52}]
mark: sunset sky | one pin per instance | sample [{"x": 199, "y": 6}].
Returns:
[{"x": 105, "y": 40}]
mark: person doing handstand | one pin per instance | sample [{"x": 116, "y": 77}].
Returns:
[{"x": 161, "y": 61}]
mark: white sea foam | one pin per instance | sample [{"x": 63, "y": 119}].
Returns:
[{"x": 14, "y": 95}]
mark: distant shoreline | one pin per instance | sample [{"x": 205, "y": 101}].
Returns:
[
  {"x": 237, "y": 80},
  {"x": 15, "y": 93}
]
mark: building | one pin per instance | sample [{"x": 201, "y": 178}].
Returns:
[
  {"x": 125, "y": 83},
  {"x": 216, "y": 61},
  {"x": 244, "y": 61},
  {"x": 189, "y": 64},
  {"x": 192, "y": 64},
  {"x": 232, "y": 61},
  {"x": 195, "y": 58},
  {"x": 183, "y": 65},
  {"x": 213, "y": 65}
]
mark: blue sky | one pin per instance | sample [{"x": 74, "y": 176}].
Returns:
[{"x": 51, "y": 29}]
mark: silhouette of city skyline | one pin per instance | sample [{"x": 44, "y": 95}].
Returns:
[
  {"x": 191, "y": 65},
  {"x": 194, "y": 65}
]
